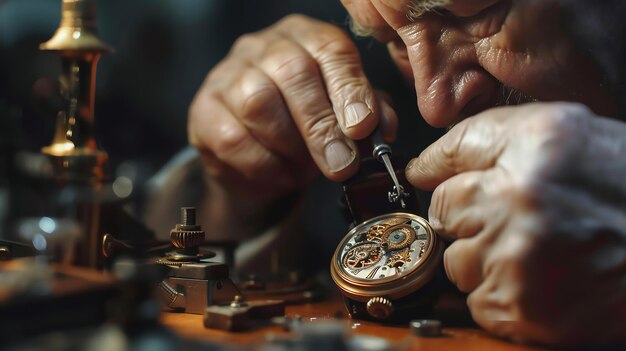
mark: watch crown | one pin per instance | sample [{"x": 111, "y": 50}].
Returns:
[{"x": 379, "y": 307}]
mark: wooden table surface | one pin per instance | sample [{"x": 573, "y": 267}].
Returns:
[{"x": 190, "y": 326}]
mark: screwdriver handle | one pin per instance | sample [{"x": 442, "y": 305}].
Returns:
[{"x": 380, "y": 147}]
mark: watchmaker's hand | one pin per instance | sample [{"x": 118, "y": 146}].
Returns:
[
  {"x": 285, "y": 100},
  {"x": 535, "y": 197}
]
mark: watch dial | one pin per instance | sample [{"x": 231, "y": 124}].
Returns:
[{"x": 385, "y": 248}]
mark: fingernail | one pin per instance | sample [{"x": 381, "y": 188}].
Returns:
[
  {"x": 338, "y": 155},
  {"x": 411, "y": 164},
  {"x": 355, "y": 113}
]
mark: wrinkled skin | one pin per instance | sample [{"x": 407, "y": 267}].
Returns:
[
  {"x": 275, "y": 111},
  {"x": 531, "y": 193},
  {"x": 538, "y": 220},
  {"x": 533, "y": 196},
  {"x": 459, "y": 57}
]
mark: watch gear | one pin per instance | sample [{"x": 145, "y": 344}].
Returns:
[
  {"x": 379, "y": 307},
  {"x": 362, "y": 256},
  {"x": 400, "y": 258},
  {"x": 398, "y": 237},
  {"x": 376, "y": 231}
]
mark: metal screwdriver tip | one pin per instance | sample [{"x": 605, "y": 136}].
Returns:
[{"x": 398, "y": 191}]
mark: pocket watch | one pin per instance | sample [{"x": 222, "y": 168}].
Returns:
[
  {"x": 386, "y": 265},
  {"x": 383, "y": 264}
]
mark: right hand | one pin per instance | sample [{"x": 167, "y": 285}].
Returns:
[{"x": 286, "y": 101}]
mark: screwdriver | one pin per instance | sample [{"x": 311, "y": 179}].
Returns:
[{"x": 382, "y": 152}]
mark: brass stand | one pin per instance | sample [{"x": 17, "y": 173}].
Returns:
[{"x": 74, "y": 155}]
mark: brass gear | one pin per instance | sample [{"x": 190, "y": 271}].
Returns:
[
  {"x": 375, "y": 232},
  {"x": 362, "y": 256},
  {"x": 399, "y": 258},
  {"x": 399, "y": 237}
]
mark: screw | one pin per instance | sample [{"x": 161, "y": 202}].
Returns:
[{"x": 188, "y": 215}]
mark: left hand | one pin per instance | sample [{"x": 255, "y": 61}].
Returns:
[{"x": 535, "y": 196}]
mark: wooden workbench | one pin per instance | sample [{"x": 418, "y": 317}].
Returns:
[{"x": 190, "y": 326}]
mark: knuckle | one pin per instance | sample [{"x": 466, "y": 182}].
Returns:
[
  {"x": 457, "y": 266},
  {"x": 320, "y": 126},
  {"x": 556, "y": 120},
  {"x": 514, "y": 187},
  {"x": 247, "y": 41},
  {"x": 296, "y": 70},
  {"x": 334, "y": 44},
  {"x": 451, "y": 148},
  {"x": 346, "y": 85},
  {"x": 230, "y": 140},
  {"x": 202, "y": 105},
  {"x": 437, "y": 207},
  {"x": 296, "y": 19},
  {"x": 258, "y": 100}
]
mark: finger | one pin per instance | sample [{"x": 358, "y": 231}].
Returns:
[
  {"x": 388, "y": 117},
  {"x": 298, "y": 78},
  {"x": 453, "y": 211},
  {"x": 463, "y": 261},
  {"x": 366, "y": 21},
  {"x": 495, "y": 303},
  {"x": 258, "y": 104},
  {"x": 363, "y": 12},
  {"x": 475, "y": 143},
  {"x": 352, "y": 97},
  {"x": 493, "y": 308},
  {"x": 213, "y": 127}
]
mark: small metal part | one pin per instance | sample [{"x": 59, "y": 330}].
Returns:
[
  {"x": 381, "y": 152},
  {"x": 379, "y": 307},
  {"x": 186, "y": 237},
  {"x": 111, "y": 246},
  {"x": 429, "y": 328},
  {"x": 238, "y": 302},
  {"x": 254, "y": 313},
  {"x": 188, "y": 216},
  {"x": 193, "y": 282},
  {"x": 5, "y": 253},
  {"x": 170, "y": 296}
]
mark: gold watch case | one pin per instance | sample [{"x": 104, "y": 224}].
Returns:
[{"x": 391, "y": 255}]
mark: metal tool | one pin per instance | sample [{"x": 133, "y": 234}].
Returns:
[
  {"x": 382, "y": 152},
  {"x": 193, "y": 282}
]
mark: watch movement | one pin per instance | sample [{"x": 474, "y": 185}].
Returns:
[{"x": 384, "y": 259}]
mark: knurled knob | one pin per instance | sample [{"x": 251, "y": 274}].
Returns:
[
  {"x": 186, "y": 239},
  {"x": 379, "y": 307},
  {"x": 187, "y": 235}
]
